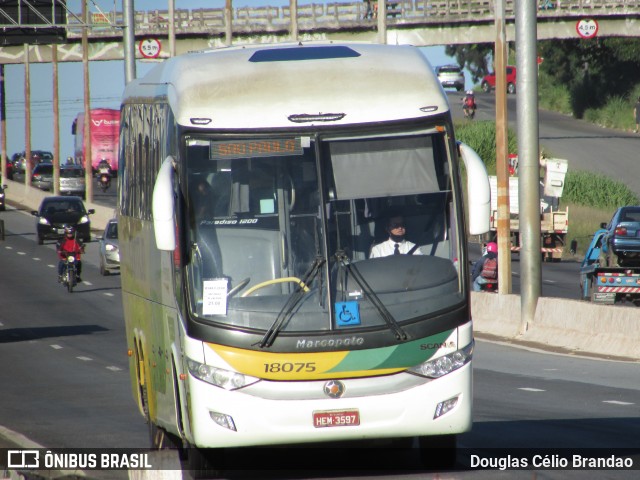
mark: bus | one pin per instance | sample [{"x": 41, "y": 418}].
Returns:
[
  {"x": 104, "y": 127},
  {"x": 253, "y": 184}
]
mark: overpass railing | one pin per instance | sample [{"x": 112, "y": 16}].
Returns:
[{"x": 333, "y": 16}]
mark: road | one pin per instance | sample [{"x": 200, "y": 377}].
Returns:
[{"x": 65, "y": 383}]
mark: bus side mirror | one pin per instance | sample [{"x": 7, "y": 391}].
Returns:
[
  {"x": 162, "y": 207},
  {"x": 478, "y": 190}
]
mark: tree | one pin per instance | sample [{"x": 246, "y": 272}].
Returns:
[
  {"x": 593, "y": 70},
  {"x": 473, "y": 57}
]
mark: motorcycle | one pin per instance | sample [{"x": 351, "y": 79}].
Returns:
[
  {"x": 491, "y": 287},
  {"x": 70, "y": 273},
  {"x": 104, "y": 181},
  {"x": 469, "y": 112}
]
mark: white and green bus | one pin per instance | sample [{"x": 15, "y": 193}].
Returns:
[{"x": 253, "y": 183}]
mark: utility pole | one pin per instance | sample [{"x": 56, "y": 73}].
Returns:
[
  {"x": 502, "y": 167},
  {"x": 382, "y": 21},
  {"x": 56, "y": 121},
  {"x": 128, "y": 41},
  {"x": 27, "y": 119},
  {"x": 172, "y": 28},
  {"x": 528, "y": 160},
  {"x": 86, "y": 148},
  {"x": 293, "y": 13},
  {"x": 228, "y": 29},
  {"x": 3, "y": 124}
]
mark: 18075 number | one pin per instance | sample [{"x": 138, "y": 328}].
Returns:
[{"x": 289, "y": 367}]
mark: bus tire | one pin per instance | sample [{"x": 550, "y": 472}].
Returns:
[{"x": 438, "y": 452}]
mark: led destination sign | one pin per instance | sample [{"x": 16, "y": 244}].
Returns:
[{"x": 256, "y": 148}]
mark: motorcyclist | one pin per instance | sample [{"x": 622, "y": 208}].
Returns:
[
  {"x": 469, "y": 103},
  {"x": 477, "y": 274},
  {"x": 104, "y": 167},
  {"x": 66, "y": 246}
]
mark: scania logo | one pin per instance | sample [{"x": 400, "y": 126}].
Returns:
[{"x": 334, "y": 389}]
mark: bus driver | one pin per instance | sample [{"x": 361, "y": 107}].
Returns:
[{"x": 396, "y": 243}]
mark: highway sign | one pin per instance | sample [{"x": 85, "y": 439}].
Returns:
[
  {"x": 587, "y": 27},
  {"x": 150, "y": 47}
]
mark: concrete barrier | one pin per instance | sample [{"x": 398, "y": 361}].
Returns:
[
  {"x": 572, "y": 326},
  {"x": 30, "y": 198}
]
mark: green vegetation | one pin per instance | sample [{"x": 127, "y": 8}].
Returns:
[
  {"x": 595, "y": 80},
  {"x": 481, "y": 136},
  {"x": 583, "y": 223},
  {"x": 598, "y": 191}
]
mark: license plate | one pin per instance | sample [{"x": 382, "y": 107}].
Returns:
[
  {"x": 605, "y": 297},
  {"x": 336, "y": 418}
]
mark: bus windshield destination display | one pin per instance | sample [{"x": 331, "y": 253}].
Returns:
[{"x": 256, "y": 148}]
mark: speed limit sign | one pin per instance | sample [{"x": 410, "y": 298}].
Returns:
[
  {"x": 150, "y": 47},
  {"x": 587, "y": 27}
]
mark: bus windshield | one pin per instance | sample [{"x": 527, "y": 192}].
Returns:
[{"x": 318, "y": 233}]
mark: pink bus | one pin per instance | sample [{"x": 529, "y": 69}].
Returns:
[{"x": 105, "y": 129}]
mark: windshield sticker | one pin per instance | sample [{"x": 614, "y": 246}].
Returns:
[
  {"x": 347, "y": 313},
  {"x": 214, "y": 296}
]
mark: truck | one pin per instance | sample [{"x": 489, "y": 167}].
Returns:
[
  {"x": 554, "y": 221},
  {"x": 104, "y": 128},
  {"x": 607, "y": 285}
]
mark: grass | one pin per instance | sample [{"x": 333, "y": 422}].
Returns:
[{"x": 583, "y": 223}]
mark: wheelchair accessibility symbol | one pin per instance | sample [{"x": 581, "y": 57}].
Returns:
[{"x": 347, "y": 313}]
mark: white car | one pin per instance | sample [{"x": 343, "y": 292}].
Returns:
[
  {"x": 109, "y": 249},
  {"x": 451, "y": 76}
]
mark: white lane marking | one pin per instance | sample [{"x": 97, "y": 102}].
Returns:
[
  {"x": 528, "y": 389},
  {"x": 55, "y": 347},
  {"x": 21, "y": 253},
  {"x": 87, "y": 283},
  {"x": 85, "y": 359},
  {"x": 108, "y": 294},
  {"x": 618, "y": 402},
  {"x": 114, "y": 369},
  {"x": 9, "y": 248},
  {"x": 36, "y": 259}
]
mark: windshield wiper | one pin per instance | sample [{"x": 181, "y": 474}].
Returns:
[
  {"x": 370, "y": 294},
  {"x": 291, "y": 304}
]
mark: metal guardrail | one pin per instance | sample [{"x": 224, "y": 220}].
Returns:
[{"x": 333, "y": 16}]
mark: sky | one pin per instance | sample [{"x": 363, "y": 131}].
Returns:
[{"x": 106, "y": 81}]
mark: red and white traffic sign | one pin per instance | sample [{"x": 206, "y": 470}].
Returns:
[
  {"x": 150, "y": 47},
  {"x": 587, "y": 28}
]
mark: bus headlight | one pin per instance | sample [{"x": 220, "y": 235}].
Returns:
[
  {"x": 219, "y": 377},
  {"x": 445, "y": 364}
]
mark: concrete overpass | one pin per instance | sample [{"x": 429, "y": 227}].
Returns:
[{"x": 417, "y": 22}]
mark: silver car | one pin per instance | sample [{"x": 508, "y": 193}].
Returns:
[
  {"x": 451, "y": 76},
  {"x": 42, "y": 176},
  {"x": 72, "y": 180},
  {"x": 109, "y": 250}
]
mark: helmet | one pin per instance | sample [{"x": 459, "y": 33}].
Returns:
[
  {"x": 69, "y": 230},
  {"x": 492, "y": 247}
]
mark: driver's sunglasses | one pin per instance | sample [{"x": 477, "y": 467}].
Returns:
[{"x": 397, "y": 225}]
